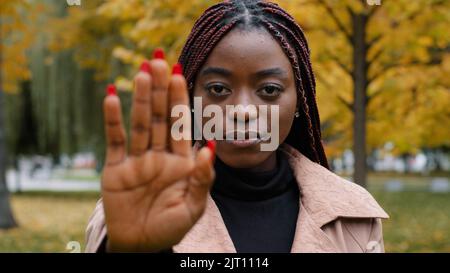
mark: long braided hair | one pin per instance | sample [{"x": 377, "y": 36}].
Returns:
[{"x": 219, "y": 19}]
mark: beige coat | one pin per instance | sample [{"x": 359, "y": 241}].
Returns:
[{"x": 335, "y": 216}]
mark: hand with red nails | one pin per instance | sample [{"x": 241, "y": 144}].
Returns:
[{"x": 154, "y": 192}]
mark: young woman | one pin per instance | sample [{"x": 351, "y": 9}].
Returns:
[{"x": 165, "y": 195}]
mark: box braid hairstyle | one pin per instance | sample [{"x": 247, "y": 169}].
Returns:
[{"x": 219, "y": 19}]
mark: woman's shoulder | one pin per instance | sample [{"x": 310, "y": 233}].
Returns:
[
  {"x": 326, "y": 195},
  {"x": 345, "y": 211}
]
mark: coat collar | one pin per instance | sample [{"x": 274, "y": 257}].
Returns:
[{"x": 325, "y": 197}]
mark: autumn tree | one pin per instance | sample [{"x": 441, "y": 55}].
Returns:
[
  {"x": 385, "y": 66},
  {"x": 13, "y": 68}
]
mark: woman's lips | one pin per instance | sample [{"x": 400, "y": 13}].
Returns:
[
  {"x": 246, "y": 141},
  {"x": 243, "y": 143}
]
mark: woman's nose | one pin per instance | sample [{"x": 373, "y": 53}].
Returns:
[
  {"x": 246, "y": 112},
  {"x": 242, "y": 112}
]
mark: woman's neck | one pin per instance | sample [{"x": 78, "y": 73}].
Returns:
[{"x": 254, "y": 184}]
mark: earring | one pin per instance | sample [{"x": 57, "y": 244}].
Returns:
[{"x": 297, "y": 114}]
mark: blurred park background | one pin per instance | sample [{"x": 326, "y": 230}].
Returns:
[{"x": 383, "y": 87}]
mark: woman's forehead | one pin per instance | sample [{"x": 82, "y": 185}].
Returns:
[{"x": 249, "y": 50}]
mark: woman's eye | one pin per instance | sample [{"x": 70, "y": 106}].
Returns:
[
  {"x": 270, "y": 91},
  {"x": 217, "y": 90}
]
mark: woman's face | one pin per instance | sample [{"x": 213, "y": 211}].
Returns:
[{"x": 248, "y": 68}]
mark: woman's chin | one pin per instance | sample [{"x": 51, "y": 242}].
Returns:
[{"x": 241, "y": 156}]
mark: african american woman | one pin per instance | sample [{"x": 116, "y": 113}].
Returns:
[{"x": 162, "y": 193}]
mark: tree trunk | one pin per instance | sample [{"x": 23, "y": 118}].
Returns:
[
  {"x": 6, "y": 217},
  {"x": 359, "y": 22}
]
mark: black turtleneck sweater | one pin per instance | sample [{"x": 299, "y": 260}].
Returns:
[{"x": 259, "y": 209}]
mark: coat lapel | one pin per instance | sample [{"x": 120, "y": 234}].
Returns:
[
  {"x": 309, "y": 237},
  {"x": 209, "y": 234}
]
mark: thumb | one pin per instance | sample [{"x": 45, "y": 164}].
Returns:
[{"x": 200, "y": 181}]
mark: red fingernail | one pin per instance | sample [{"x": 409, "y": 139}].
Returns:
[
  {"x": 145, "y": 66},
  {"x": 111, "y": 90},
  {"x": 211, "y": 144},
  {"x": 177, "y": 69},
  {"x": 158, "y": 53}
]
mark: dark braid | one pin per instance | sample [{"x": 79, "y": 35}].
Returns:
[{"x": 219, "y": 19}]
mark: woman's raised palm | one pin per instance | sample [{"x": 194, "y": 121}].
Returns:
[{"x": 154, "y": 191}]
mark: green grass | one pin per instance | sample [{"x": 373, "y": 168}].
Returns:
[
  {"x": 48, "y": 221},
  {"x": 420, "y": 221}
]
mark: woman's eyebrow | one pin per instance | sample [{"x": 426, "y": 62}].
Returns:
[
  {"x": 276, "y": 71},
  {"x": 216, "y": 70}
]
